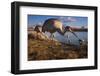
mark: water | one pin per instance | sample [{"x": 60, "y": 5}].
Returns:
[{"x": 70, "y": 38}]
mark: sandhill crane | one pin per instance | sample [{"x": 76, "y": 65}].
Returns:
[
  {"x": 38, "y": 28},
  {"x": 53, "y": 25}
]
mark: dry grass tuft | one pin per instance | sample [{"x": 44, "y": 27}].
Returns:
[{"x": 52, "y": 50}]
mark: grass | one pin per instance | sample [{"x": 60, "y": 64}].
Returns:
[{"x": 53, "y": 50}]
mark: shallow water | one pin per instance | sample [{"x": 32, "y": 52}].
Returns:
[{"x": 70, "y": 38}]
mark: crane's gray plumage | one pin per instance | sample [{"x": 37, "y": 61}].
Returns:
[{"x": 53, "y": 25}]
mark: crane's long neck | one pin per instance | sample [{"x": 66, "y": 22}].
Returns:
[
  {"x": 70, "y": 30},
  {"x": 61, "y": 31}
]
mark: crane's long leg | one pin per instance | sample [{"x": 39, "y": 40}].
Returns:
[
  {"x": 52, "y": 36},
  {"x": 52, "y": 40},
  {"x": 68, "y": 39}
]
